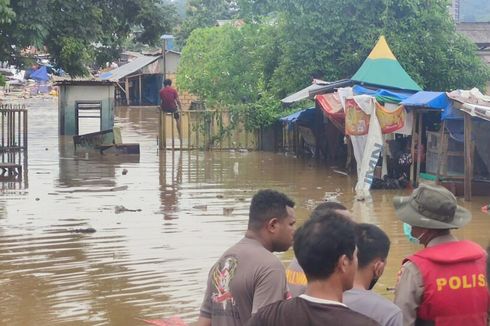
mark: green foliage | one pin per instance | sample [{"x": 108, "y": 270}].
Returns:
[
  {"x": 205, "y": 13},
  {"x": 96, "y": 28},
  {"x": 2, "y": 80},
  {"x": 6, "y": 12},
  {"x": 230, "y": 67},
  {"x": 286, "y": 43}
]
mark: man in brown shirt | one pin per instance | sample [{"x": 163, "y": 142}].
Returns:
[
  {"x": 248, "y": 276},
  {"x": 325, "y": 247}
]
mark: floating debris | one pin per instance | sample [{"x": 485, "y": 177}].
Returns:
[
  {"x": 201, "y": 207},
  {"x": 121, "y": 209},
  {"x": 84, "y": 230},
  {"x": 124, "y": 171},
  {"x": 227, "y": 211}
]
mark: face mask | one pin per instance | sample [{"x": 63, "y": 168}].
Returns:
[
  {"x": 373, "y": 283},
  {"x": 407, "y": 230}
]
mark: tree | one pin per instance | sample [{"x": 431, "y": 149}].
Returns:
[
  {"x": 334, "y": 37},
  {"x": 230, "y": 68},
  {"x": 326, "y": 39},
  {"x": 205, "y": 13},
  {"x": 78, "y": 32}
]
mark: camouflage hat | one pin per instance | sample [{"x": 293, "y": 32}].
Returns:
[{"x": 431, "y": 208}]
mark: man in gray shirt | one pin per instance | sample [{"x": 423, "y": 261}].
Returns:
[
  {"x": 373, "y": 246},
  {"x": 248, "y": 276}
]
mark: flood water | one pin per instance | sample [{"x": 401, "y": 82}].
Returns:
[{"x": 159, "y": 227}]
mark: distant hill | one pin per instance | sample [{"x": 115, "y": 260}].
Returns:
[{"x": 474, "y": 10}]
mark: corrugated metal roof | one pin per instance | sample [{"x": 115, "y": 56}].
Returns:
[
  {"x": 129, "y": 68},
  {"x": 477, "y": 32}
]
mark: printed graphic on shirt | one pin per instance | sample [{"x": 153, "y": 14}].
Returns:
[{"x": 223, "y": 273}]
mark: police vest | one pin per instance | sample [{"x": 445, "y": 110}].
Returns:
[{"x": 455, "y": 284}]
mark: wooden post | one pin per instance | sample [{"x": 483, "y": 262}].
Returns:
[
  {"x": 439, "y": 151},
  {"x": 419, "y": 146},
  {"x": 172, "y": 130},
  {"x": 468, "y": 164},
  {"x": 197, "y": 129},
  {"x": 188, "y": 130},
  {"x": 126, "y": 87},
  {"x": 412, "y": 149},
  {"x": 139, "y": 84}
]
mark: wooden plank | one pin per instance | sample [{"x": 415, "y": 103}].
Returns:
[
  {"x": 419, "y": 146},
  {"x": 126, "y": 86},
  {"x": 139, "y": 84},
  {"x": 468, "y": 165},
  {"x": 440, "y": 149},
  {"x": 412, "y": 149}
]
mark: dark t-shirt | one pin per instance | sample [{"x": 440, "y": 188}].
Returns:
[
  {"x": 246, "y": 278},
  {"x": 299, "y": 311},
  {"x": 168, "y": 95}
]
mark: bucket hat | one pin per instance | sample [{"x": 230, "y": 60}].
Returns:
[{"x": 431, "y": 207}]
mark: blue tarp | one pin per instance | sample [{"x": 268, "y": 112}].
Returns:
[
  {"x": 40, "y": 75},
  {"x": 304, "y": 115},
  {"x": 436, "y": 101},
  {"x": 382, "y": 95}
]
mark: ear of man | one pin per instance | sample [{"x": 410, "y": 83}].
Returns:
[
  {"x": 379, "y": 267},
  {"x": 272, "y": 225}
]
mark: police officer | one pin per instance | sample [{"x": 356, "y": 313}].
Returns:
[{"x": 444, "y": 283}]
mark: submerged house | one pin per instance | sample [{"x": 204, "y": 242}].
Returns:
[{"x": 139, "y": 81}]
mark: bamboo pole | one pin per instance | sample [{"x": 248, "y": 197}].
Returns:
[{"x": 468, "y": 168}]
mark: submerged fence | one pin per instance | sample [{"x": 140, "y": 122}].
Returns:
[
  {"x": 208, "y": 129},
  {"x": 13, "y": 149}
]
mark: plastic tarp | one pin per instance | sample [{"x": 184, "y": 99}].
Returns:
[
  {"x": 331, "y": 106},
  {"x": 305, "y": 115},
  {"x": 381, "y": 68},
  {"x": 433, "y": 100},
  {"x": 40, "y": 75},
  {"x": 305, "y": 92},
  {"x": 472, "y": 102},
  {"x": 382, "y": 95}
]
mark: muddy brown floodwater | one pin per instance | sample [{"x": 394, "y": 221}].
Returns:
[{"x": 159, "y": 227}]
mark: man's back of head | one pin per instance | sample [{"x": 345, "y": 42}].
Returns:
[
  {"x": 372, "y": 244},
  {"x": 325, "y": 245}
]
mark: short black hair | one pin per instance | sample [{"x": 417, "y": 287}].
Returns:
[
  {"x": 372, "y": 243},
  {"x": 267, "y": 204},
  {"x": 328, "y": 205},
  {"x": 321, "y": 241},
  {"x": 167, "y": 82}
]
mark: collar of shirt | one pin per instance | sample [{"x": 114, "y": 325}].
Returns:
[
  {"x": 322, "y": 301},
  {"x": 442, "y": 239}
]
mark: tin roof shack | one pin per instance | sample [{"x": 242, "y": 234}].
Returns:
[
  {"x": 479, "y": 33},
  {"x": 80, "y": 102},
  {"x": 139, "y": 81}
]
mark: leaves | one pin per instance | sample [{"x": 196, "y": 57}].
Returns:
[{"x": 95, "y": 28}]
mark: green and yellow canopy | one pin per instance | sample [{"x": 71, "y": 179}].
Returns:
[{"x": 381, "y": 68}]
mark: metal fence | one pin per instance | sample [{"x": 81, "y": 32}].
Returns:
[{"x": 13, "y": 147}]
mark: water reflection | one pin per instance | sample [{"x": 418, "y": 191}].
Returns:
[
  {"x": 183, "y": 209},
  {"x": 170, "y": 170}
]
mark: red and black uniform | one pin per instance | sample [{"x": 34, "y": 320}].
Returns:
[{"x": 455, "y": 284}]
